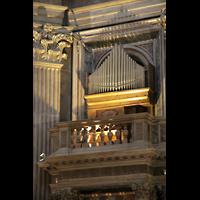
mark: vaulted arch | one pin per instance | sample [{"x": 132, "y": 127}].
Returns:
[
  {"x": 139, "y": 54},
  {"x": 136, "y": 53}
]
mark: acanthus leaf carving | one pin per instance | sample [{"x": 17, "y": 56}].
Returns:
[{"x": 48, "y": 45}]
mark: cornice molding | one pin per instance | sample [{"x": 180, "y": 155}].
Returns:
[
  {"x": 120, "y": 31},
  {"x": 53, "y": 165},
  {"x": 103, "y": 5},
  {"x": 37, "y": 63},
  {"x": 110, "y": 13}
]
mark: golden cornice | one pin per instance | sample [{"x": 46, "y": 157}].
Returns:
[
  {"x": 119, "y": 98},
  {"x": 123, "y": 92}
]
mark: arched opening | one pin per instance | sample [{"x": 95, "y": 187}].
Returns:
[
  {"x": 123, "y": 81},
  {"x": 122, "y": 68}
]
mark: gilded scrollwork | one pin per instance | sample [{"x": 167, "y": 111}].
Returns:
[
  {"x": 49, "y": 45},
  {"x": 162, "y": 20}
]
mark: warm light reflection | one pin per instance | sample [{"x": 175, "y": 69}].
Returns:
[
  {"x": 89, "y": 128},
  {"x": 114, "y": 136}
]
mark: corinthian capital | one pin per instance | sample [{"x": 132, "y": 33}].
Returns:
[{"x": 48, "y": 44}]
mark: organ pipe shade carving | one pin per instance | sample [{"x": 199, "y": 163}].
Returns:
[{"x": 117, "y": 72}]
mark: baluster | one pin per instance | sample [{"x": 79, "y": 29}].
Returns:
[
  {"x": 102, "y": 135},
  {"x": 114, "y": 130},
  {"x": 125, "y": 134},
  {"x": 85, "y": 144},
  {"x": 106, "y": 130},
  {"x": 118, "y": 132},
  {"x": 93, "y": 136},
  {"x": 80, "y": 138},
  {"x": 98, "y": 132},
  {"x": 110, "y": 134},
  {"x": 90, "y": 139}
]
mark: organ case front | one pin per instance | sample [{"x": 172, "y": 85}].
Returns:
[{"x": 119, "y": 82}]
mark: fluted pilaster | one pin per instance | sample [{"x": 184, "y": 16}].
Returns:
[{"x": 46, "y": 111}]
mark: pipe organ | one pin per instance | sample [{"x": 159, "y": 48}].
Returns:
[{"x": 117, "y": 72}]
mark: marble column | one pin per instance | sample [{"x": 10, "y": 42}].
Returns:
[{"x": 46, "y": 111}]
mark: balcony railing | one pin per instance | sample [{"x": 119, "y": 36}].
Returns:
[{"x": 101, "y": 132}]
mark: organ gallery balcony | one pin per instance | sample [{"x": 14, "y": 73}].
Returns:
[
  {"x": 121, "y": 141},
  {"x": 118, "y": 133}
]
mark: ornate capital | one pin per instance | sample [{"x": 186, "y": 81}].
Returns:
[{"x": 49, "y": 45}]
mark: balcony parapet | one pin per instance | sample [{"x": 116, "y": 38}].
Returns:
[{"x": 130, "y": 131}]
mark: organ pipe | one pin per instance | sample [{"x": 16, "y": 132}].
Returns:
[{"x": 117, "y": 72}]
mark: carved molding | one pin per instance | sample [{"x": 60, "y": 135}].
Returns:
[
  {"x": 65, "y": 194},
  {"x": 109, "y": 113},
  {"x": 48, "y": 45},
  {"x": 54, "y": 167},
  {"x": 144, "y": 191}
]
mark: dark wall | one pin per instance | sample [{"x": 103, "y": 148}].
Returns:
[
  {"x": 78, "y": 3},
  {"x": 72, "y": 3},
  {"x": 54, "y": 2}
]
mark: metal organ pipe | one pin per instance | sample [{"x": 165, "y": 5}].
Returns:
[{"x": 117, "y": 72}]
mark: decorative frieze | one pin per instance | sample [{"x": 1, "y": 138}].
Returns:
[
  {"x": 65, "y": 194},
  {"x": 144, "y": 191},
  {"x": 53, "y": 167}
]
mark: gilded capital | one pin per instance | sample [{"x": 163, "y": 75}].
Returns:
[{"x": 48, "y": 44}]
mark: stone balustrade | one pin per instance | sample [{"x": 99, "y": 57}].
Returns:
[{"x": 100, "y": 132}]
